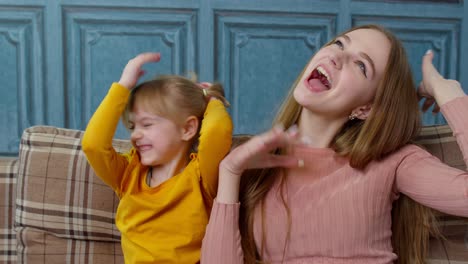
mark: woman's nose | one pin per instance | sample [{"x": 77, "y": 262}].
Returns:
[{"x": 337, "y": 60}]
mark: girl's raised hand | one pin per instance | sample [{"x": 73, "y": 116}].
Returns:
[
  {"x": 133, "y": 70},
  {"x": 434, "y": 88}
]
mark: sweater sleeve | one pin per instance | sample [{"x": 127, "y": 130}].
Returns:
[
  {"x": 97, "y": 139},
  {"x": 222, "y": 241},
  {"x": 215, "y": 142},
  {"x": 432, "y": 183}
]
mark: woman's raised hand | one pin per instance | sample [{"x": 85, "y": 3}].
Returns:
[
  {"x": 133, "y": 70},
  {"x": 434, "y": 88},
  {"x": 255, "y": 153}
]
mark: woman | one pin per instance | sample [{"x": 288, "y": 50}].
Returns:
[{"x": 323, "y": 190}]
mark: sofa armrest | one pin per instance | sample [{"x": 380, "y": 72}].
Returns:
[
  {"x": 62, "y": 209},
  {"x": 8, "y": 172}
]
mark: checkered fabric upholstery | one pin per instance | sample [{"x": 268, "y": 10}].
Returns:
[
  {"x": 8, "y": 171},
  {"x": 64, "y": 213}
]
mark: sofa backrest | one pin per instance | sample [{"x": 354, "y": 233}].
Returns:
[{"x": 60, "y": 201}]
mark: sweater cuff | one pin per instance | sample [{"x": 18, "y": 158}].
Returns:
[
  {"x": 227, "y": 212},
  {"x": 455, "y": 112},
  {"x": 119, "y": 90}
]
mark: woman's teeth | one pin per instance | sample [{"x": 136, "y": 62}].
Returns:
[{"x": 324, "y": 73}]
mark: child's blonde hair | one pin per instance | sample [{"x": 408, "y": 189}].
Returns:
[{"x": 173, "y": 97}]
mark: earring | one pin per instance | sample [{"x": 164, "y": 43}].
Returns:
[{"x": 352, "y": 116}]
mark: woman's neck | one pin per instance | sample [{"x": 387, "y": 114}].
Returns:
[{"x": 318, "y": 131}]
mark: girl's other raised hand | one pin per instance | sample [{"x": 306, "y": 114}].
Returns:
[{"x": 133, "y": 70}]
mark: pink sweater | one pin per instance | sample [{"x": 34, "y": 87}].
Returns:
[{"x": 340, "y": 214}]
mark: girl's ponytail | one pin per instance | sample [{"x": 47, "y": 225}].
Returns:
[{"x": 215, "y": 90}]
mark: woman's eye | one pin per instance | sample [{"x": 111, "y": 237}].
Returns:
[
  {"x": 338, "y": 43},
  {"x": 362, "y": 67},
  {"x": 146, "y": 125}
]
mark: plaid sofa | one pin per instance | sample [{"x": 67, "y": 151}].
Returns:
[{"x": 55, "y": 210}]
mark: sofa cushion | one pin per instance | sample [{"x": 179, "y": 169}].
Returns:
[
  {"x": 39, "y": 247},
  {"x": 58, "y": 192},
  {"x": 8, "y": 170}
]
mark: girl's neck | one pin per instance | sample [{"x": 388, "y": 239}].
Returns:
[
  {"x": 163, "y": 172},
  {"x": 318, "y": 131}
]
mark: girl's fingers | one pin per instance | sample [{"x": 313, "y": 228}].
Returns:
[
  {"x": 205, "y": 84},
  {"x": 132, "y": 71},
  {"x": 143, "y": 58}
]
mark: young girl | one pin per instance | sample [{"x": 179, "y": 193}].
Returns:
[
  {"x": 166, "y": 189},
  {"x": 346, "y": 157}
]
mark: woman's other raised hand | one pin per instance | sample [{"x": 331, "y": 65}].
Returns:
[{"x": 434, "y": 88}]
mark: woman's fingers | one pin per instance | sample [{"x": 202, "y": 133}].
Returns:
[
  {"x": 427, "y": 104},
  {"x": 258, "y": 151},
  {"x": 284, "y": 161},
  {"x": 428, "y": 69},
  {"x": 262, "y": 148}
]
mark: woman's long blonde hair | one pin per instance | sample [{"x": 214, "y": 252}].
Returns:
[{"x": 394, "y": 122}]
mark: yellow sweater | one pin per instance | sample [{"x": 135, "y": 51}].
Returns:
[{"x": 164, "y": 224}]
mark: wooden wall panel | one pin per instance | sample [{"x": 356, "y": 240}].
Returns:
[
  {"x": 100, "y": 42},
  {"x": 21, "y": 73},
  {"x": 60, "y": 57},
  {"x": 419, "y": 35},
  {"x": 259, "y": 57}
]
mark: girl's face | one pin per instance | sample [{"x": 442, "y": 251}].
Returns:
[
  {"x": 342, "y": 78},
  {"x": 157, "y": 139}
]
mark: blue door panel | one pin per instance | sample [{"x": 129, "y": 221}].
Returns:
[{"x": 259, "y": 58}]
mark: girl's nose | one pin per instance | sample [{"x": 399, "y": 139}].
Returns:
[{"x": 136, "y": 134}]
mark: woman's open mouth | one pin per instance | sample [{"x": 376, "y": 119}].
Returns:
[{"x": 319, "y": 80}]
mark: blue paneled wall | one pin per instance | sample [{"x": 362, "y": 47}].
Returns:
[{"x": 58, "y": 58}]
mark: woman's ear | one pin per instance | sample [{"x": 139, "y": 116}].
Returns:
[
  {"x": 362, "y": 112},
  {"x": 190, "y": 128}
]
